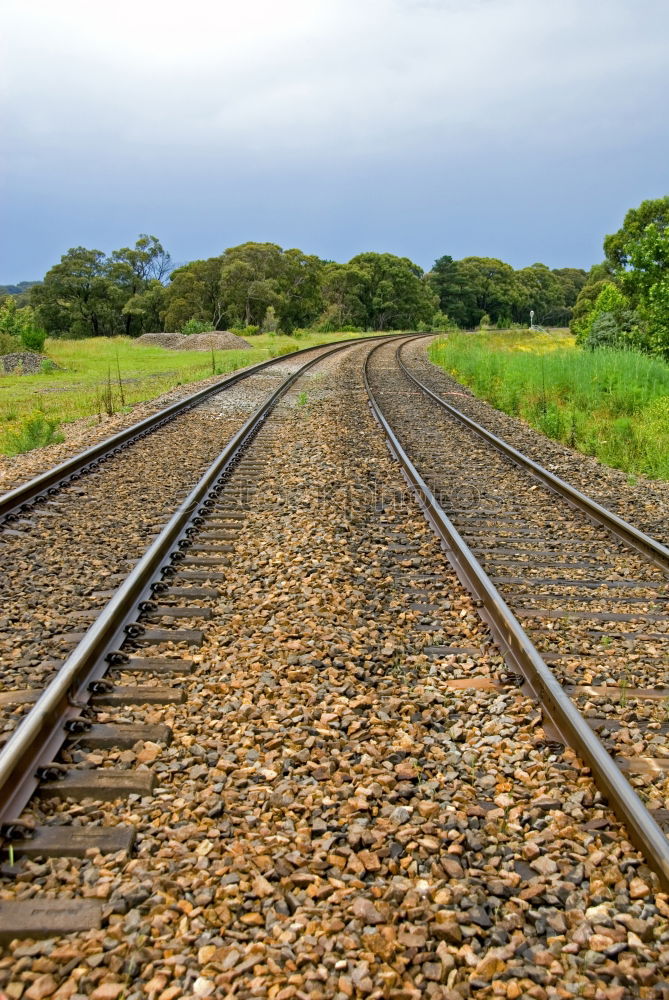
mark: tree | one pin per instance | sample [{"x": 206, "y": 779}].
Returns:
[
  {"x": 638, "y": 255},
  {"x": 391, "y": 292},
  {"x": 300, "y": 284},
  {"x": 490, "y": 289},
  {"x": 342, "y": 288},
  {"x": 132, "y": 270},
  {"x": 572, "y": 280},
  {"x": 456, "y": 298},
  {"x": 611, "y": 322},
  {"x": 90, "y": 294},
  {"x": 250, "y": 282},
  {"x": 194, "y": 292},
  {"x": 647, "y": 284},
  {"x": 77, "y": 296},
  {"x": 538, "y": 289},
  {"x": 147, "y": 307},
  {"x": 618, "y": 246}
]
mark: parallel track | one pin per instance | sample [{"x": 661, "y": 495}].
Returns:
[
  {"x": 18, "y": 502},
  {"x": 62, "y": 710},
  {"x": 502, "y": 535}
]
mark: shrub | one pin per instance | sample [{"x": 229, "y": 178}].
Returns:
[
  {"x": 196, "y": 326},
  {"x": 8, "y": 343},
  {"x": 37, "y": 431},
  {"x": 604, "y": 332},
  {"x": 270, "y": 321},
  {"x": 250, "y": 331},
  {"x": 33, "y": 339},
  {"x": 47, "y": 367}
]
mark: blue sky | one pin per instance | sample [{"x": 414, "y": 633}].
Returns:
[{"x": 510, "y": 128}]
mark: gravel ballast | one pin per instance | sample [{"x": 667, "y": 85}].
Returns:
[{"x": 333, "y": 818}]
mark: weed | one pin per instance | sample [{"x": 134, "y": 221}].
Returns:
[
  {"x": 106, "y": 396},
  {"x": 624, "y": 684},
  {"x": 302, "y": 399},
  {"x": 120, "y": 381},
  {"x": 35, "y": 432}
]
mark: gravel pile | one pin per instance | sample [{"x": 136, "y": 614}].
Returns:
[
  {"x": 220, "y": 340},
  {"x": 333, "y": 819},
  {"x": 171, "y": 341},
  {"x": 23, "y": 363}
]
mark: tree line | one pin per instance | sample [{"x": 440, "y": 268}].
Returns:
[{"x": 261, "y": 286}]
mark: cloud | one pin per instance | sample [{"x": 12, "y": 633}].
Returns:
[
  {"x": 340, "y": 78},
  {"x": 132, "y": 101}
]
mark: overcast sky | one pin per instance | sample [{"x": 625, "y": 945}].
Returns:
[{"x": 522, "y": 129}]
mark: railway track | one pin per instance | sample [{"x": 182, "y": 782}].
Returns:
[
  {"x": 333, "y": 783},
  {"x": 560, "y": 584},
  {"x": 145, "y": 615},
  {"x": 64, "y": 552}
]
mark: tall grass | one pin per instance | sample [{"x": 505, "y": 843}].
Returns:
[
  {"x": 36, "y": 431},
  {"x": 611, "y": 404}
]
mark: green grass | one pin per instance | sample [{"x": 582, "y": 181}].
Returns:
[
  {"x": 611, "y": 404},
  {"x": 88, "y": 384}
]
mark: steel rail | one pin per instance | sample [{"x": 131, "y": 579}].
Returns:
[
  {"x": 20, "y": 500},
  {"x": 643, "y": 543},
  {"x": 42, "y": 733},
  {"x": 520, "y": 651}
]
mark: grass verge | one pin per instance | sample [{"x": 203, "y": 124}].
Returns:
[
  {"x": 104, "y": 375},
  {"x": 610, "y": 404}
]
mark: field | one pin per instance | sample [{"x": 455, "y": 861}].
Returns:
[
  {"x": 611, "y": 404},
  {"x": 102, "y": 375}
]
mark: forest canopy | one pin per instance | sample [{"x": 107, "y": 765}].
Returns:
[{"x": 261, "y": 286}]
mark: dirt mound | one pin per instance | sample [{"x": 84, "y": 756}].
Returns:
[
  {"x": 24, "y": 363},
  {"x": 172, "y": 341},
  {"x": 220, "y": 340}
]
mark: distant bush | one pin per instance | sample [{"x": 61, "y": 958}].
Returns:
[
  {"x": 47, "y": 367},
  {"x": 8, "y": 343},
  {"x": 36, "y": 431},
  {"x": 270, "y": 321},
  {"x": 33, "y": 339},
  {"x": 196, "y": 326}
]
